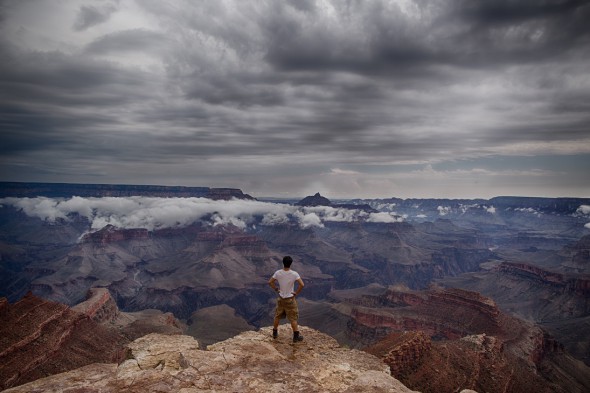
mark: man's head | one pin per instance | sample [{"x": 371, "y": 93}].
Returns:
[{"x": 287, "y": 261}]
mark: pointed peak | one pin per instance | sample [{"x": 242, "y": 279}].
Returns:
[{"x": 316, "y": 200}]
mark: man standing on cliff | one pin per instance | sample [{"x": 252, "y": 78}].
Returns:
[{"x": 286, "y": 303}]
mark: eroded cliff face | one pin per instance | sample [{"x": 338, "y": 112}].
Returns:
[
  {"x": 555, "y": 299},
  {"x": 444, "y": 314},
  {"x": 479, "y": 362},
  {"x": 579, "y": 286},
  {"x": 492, "y": 352},
  {"x": 248, "y": 362},
  {"x": 580, "y": 253},
  {"x": 40, "y": 337},
  {"x": 101, "y": 307},
  {"x": 443, "y": 340}
]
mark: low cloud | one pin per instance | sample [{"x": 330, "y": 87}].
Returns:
[
  {"x": 443, "y": 210},
  {"x": 384, "y": 217},
  {"x": 158, "y": 213}
]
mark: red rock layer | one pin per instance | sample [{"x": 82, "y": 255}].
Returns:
[
  {"x": 449, "y": 314},
  {"x": 99, "y": 306},
  {"x": 110, "y": 234},
  {"x": 40, "y": 338},
  {"x": 402, "y": 352},
  {"x": 449, "y": 340},
  {"x": 577, "y": 285},
  {"x": 476, "y": 362}
]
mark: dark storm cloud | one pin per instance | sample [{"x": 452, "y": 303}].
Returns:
[
  {"x": 91, "y": 15},
  {"x": 465, "y": 34},
  {"x": 513, "y": 32},
  {"x": 50, "y": 77},
  {"x": 495, "y": 12},
  {"x": 221, "y": 89},
  {"x": 129, "y": 40}
]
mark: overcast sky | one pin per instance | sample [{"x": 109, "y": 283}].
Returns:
[{"x": 287, "y": 98}]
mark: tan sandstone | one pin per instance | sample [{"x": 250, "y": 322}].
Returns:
[{"x": 249, "y": 362}]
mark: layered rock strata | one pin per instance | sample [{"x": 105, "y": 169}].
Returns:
[
  {"x": 447, "y": 340},
  {"x": 102, "y": 308},
  {"x": 40, "y": 338},
  {"x": 578, "y": 285},
  {"x": 448, "y": 314}
]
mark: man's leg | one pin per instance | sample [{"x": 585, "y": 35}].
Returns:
[
  {"x": 277, "y": 320},
  {"x": 294, "y": 315},
  {"x": 296, "y": 335},
  {"x": 275, "y": 327}
]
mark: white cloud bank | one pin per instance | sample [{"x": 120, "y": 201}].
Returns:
[
  {"x": 583, "y": 210},
  {"x": 157, "y": 213}
]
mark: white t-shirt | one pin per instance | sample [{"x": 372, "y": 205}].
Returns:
[{"x": 286, "y": 279}]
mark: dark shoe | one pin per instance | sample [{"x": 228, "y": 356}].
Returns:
[
  {"x": 297, "y": 337},
  {"x": 275, "y": 333}
]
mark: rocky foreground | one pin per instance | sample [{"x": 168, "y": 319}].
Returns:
[
  {"x": 248, "y": 362},
  {"x": 40, "y": 338}
]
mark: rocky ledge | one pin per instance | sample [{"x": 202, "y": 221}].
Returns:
[
  {"x": 248, "y": 362},
  {"x": 578, "y": 284}
]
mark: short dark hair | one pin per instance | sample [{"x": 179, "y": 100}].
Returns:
[{"x": 287, "y": 261}]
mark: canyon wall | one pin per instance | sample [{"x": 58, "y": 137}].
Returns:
[{"x": 39, "y": 338}]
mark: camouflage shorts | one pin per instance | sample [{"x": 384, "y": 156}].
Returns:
[{"x": 287, "y": 308}]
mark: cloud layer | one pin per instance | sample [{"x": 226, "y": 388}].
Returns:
[
  {"x": 159, "y": 213},
  {"x": 441, "y": 98}
]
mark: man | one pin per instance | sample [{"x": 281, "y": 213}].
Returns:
[{"x": 286, "y": 303}]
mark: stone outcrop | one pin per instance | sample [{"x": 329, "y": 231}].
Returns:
[
  {"x": 579, "y": 285},
  {"x": 249, "y": 362},
  {"x": 102, "y": 308},
  {"x": 441, "y": 313},
  {"x": 99, "y": 306},
  {"x": 314, "y": 200},
  {"x": 40, "y": 338},
  {"x": 479, "y": 362},
  {"x": 483, "y": 363},
  {"x": 402, "y": 352},
  {"x": 443, "y": 340},
  {"x": 318, "y": 200}
]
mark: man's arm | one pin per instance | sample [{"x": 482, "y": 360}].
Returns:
[
  {"x": 299, "y": 287},
  {"x": 272, "y": 284}
]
